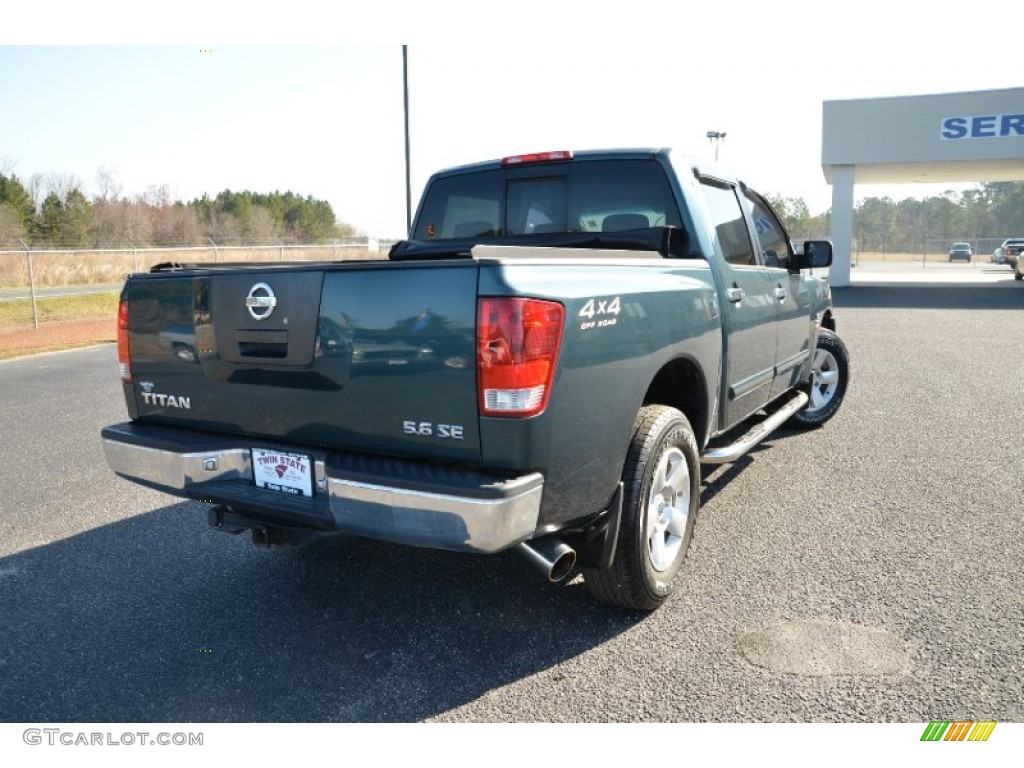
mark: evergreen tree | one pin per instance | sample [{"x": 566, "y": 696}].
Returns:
[
  {"x": 77, "y": 216},
  {"x": 14, "y": 194},
  {"x": 48, "y": 223}
]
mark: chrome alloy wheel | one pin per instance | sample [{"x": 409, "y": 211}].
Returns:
[
  {"x": 824, "y": 380},
  {"x": 668, "y": 508}
]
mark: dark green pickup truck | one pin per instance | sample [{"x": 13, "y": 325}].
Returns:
[{"x": 544, "y": 365}]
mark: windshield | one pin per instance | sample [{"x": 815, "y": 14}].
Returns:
[{"x": 579, "y": 196}]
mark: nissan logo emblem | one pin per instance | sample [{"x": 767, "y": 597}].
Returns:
[{"x": 261, "y": 301}]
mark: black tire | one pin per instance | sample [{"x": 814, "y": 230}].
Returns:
[
  {"x": 1018, "y": 275},
  {"x": 830, "y": 378},
  {"x": 657, "y": 523}
]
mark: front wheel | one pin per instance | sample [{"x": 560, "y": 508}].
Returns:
[
  {"x": 661, "y": 494},
  {"x": 830, "y": 375}
]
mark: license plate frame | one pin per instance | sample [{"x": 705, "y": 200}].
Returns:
[{"x": 282, "y": 471}]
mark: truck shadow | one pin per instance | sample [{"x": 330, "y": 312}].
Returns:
[
  {"x": 157, "y": 619},
  {"x": 716, "y": 477},
  {"x": 1006, "y": 294}
]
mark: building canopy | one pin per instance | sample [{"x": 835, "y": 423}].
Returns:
[{"x": 952, "y": 137}]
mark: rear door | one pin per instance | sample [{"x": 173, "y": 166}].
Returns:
[
  {"x": 788, "y": 290},
  {"x": 750, "y": 309}
]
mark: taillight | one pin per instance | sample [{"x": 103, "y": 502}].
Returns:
[
  {"x": 517, "y": 343},
  {"x": 124, "y": 360},
  {"x": 537, "y": 157}
]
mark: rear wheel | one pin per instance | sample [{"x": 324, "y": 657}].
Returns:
[{"x": 661, "y": 494}]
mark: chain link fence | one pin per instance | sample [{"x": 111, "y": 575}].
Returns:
[
  {"x": 31, "y": 281},
  {"x": 932, "y": 250},
  {"x": 64, "y": 267}
]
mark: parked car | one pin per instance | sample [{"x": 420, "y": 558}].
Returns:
[
  {"x": 181, "y": 339},
  {"x": 998, "y": 257},
  {"x": 960, "y": 251},
  {"x": 1011, "y": 250}
]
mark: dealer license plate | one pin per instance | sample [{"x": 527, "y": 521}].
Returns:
[{"x": 285, "y": 472}]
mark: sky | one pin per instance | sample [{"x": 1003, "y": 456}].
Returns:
[{"x": 202, "y": 100}]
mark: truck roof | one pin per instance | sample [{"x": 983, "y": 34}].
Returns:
[
  {"x": 586, "y": 154},
  {"x": 681, "y": 160}
]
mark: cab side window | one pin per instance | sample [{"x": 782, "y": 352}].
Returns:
[
  {"x": 733, "y": 241},
  {"x": 771, "y": 235}
]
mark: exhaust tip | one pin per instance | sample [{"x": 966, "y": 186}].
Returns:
[
  {"x": 562, "y": 567},
  {"x": 553, "y": 557}
]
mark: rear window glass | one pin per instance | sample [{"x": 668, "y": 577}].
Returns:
[{"x": 581, "y": 196}]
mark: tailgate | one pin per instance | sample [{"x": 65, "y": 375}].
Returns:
[{"x": 365, "y": 357}]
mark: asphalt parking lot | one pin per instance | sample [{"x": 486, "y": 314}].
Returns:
[{"x": 867, "y": 571}]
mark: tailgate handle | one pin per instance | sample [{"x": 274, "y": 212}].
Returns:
[{"x": 273, "y": 344}]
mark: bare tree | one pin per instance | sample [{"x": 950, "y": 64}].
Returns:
[
  {"x": 158, "y": 196},
  {"x": 110, "y": 223},
  {"x": 262, "y": 227},
  {"x": 138, "y": 222},
  {"x": 37, "y": 189},
  {"x": 109, "y": 187},
  {"x": 61, "y": 184}
]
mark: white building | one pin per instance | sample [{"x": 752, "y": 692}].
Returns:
[{"x": 975, "y": 136}]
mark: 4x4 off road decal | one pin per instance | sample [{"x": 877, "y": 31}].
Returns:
[{"x": 600, "y": 313}]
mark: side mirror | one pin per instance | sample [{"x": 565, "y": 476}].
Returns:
[{"x": 816, "y": 253}]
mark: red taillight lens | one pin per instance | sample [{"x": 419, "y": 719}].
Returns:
[
  {"x": 517, "y": 343},
  {"x": 124, "y": 360}
]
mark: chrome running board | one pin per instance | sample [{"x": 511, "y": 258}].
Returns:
[{"x": 759, "y": 432}]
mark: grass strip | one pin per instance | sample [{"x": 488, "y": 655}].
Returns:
[{"x": 17, "y": 313}]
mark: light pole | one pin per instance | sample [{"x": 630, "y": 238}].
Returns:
[
  {"x": 405, "y": 104},
  {"x": 716, "y": 138}
]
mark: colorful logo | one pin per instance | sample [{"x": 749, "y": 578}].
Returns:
[{"x": 958, "y": 730}]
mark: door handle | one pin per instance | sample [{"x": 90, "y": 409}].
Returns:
[
  {"x": 735, "y": 294},
  {"x": 780, "y": 292}
]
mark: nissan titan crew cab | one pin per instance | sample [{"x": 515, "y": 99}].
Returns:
[{"x": 544, "y": 365}]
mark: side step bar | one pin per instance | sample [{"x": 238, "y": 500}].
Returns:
[{"x": 733, "y": 451}]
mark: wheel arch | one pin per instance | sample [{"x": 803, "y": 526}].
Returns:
[{"x": 681, "y": 384}]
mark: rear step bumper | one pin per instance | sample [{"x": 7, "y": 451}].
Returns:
[{"x": 395, "y": 500}]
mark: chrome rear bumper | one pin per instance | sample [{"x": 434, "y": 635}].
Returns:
[{"x": 394, "y": 500}]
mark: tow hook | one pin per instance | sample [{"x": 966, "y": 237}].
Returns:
[
  {"x": 264, "y": 538},
  {"x": 261, "y": 538},
  {"x": 223, "y": 519}
]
